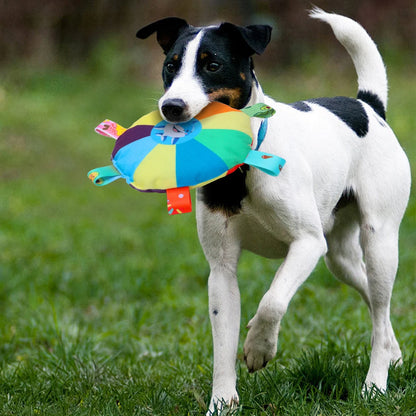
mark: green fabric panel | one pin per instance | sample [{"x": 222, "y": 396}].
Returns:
[{"x": 232, "y": 146}]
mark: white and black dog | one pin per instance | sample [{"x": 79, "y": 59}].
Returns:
[{"x": 341, "y": 194}]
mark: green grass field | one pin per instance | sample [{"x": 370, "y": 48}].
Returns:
[{"x": 103, "y": 305}]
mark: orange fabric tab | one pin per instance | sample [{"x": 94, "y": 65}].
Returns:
[{"x": 179, "y": 200}]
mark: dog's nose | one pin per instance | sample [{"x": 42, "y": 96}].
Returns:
[{"x": 173, "y": 109}]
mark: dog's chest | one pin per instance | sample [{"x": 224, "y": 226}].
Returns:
[
  {"x": 246, "y": 211},
  {"x": 226, "y": 194}
]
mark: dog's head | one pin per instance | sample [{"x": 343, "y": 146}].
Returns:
[{"x": 205, "y": 64}]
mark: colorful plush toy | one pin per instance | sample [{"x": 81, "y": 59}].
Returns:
[{"x": 156, "y": 156}]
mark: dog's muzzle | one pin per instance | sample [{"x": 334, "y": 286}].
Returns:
[{"x": 174, "y": 110}]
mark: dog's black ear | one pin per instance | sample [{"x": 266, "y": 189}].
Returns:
[
  {"x": 167, "y": 30},
  {"x": 253, "y": 38}
]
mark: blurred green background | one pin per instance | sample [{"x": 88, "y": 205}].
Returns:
[
  {"x": 64, "y": 31},
  {"x": 102, "y": 294}
]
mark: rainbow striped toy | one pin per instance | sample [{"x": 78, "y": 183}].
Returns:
[{"x": 156, "y": 156}]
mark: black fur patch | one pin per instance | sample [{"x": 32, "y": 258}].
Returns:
[
  {"x": 225, "y": 50},
  {"x": 349, "y": 110},
  {"x": 347, "y": 198},
  {"x": 226, "y": 193},
  {"x": 301, "y": 106},
  {"x": 373, "y": 101}
]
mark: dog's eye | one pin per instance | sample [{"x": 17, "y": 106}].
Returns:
[
  {"x": 171, "y": 68},
  {"x": 213, "y": 66}
]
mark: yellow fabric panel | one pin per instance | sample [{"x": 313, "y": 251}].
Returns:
[
  {"x": 232, "y": 120},
  {"x": 161, "y": 160},
  {"x": 149, "y": 119}
]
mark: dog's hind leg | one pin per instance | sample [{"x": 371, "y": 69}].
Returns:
[
  {"x": 345, "y": 255},
  {"x": 382, "y": 198},
  {"x": 380, "y": 243}
]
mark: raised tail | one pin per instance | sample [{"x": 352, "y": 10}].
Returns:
[{"x": 372, "y": 77}]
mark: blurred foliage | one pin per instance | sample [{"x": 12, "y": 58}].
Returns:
[{"x": 68, "y": 31}]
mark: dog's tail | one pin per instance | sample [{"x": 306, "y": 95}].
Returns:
[{"x": 372, "y": 77}]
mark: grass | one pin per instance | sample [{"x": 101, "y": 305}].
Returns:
[{"x": 103, "y": 306}]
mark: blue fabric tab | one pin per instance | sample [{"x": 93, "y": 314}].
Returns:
[
  {"x": 270, "y": 164},
  {"x": 104, "y": 176},
  {"x": 262, "y": 133}
]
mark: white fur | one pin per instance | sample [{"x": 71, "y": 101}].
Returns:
[
  {"x": 363, "y": 51},
  {"x": 186, "y": 84},
  {"x": 292, "y": 216}
]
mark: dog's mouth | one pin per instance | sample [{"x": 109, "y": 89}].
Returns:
[
  {"x": 224, "y": 100},
  {"x": 228, "y": 96},
  {"x": 176, "y": 110}
]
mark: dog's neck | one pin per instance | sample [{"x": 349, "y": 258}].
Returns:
[{"x": 257, "y": 94}]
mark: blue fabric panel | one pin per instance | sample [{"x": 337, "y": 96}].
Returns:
[
  {"x": 195, "y": 164},
  {"x": 129, "y": 157}
]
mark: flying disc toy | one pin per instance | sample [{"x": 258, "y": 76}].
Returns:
[{"x": 154, "y": 155}]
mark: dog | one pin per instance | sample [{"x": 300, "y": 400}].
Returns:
[{"x": 341, "y": 195}]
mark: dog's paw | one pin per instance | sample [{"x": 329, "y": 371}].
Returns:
[
  {"x": 385, "y": 354},
  {"x": 260, "y": 345},
  {"x": 228, "y": 400},
  {"x": 396, "y": 359},
  {"x": 370, "y": 390}
]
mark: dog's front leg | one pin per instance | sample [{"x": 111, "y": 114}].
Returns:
[
  {"x": 261, "y": 342},
  {"x": 224, "y": 311},
  {"x": 222, "y": 252}
]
